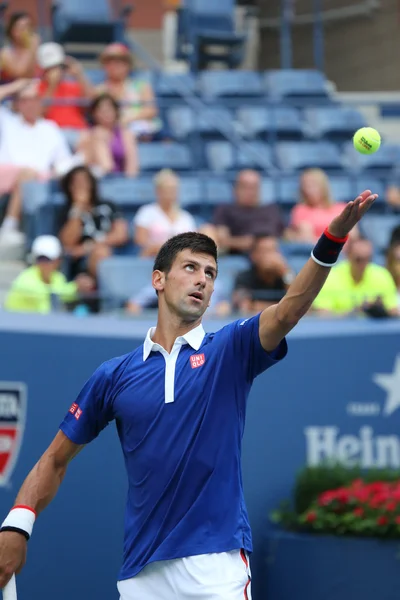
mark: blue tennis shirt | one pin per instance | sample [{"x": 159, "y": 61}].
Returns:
[{"x": 180, "y": 419}]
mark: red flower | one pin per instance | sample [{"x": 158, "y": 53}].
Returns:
[
  {"x": 358, "y": 512},
  {"x": 382, "y": 520},
  {"x": 311, "y": 516},
  {"x": 397, "y": 519},
  {"x": 391, "y": 506}
]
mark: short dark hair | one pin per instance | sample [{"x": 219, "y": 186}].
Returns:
[
  {"x": 13, "y": 19},
  {"x": 197, "y": 243},
  {"x": 105, "y": 97}
]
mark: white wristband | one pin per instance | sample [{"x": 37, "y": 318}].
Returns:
[{"x": 20, "y": 517}]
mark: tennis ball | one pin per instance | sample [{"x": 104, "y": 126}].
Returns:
[{"x": 366, "y": 140}]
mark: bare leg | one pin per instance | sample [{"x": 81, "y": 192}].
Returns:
[
  {"x": 14, "y": 207},
  {"x": 100, "y": 152}
]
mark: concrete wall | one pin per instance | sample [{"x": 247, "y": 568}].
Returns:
[{"x": 361, "y": 54}]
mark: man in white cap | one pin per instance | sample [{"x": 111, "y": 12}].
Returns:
[
  {"x": 64, "y": 81},
  {"x": 42, "y": 288}
]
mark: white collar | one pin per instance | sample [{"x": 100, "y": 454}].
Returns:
[{"x": 194, "y": 338}]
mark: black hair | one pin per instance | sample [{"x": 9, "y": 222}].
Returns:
[
  {"x": 101, "y": 98},
  {"x": 13, "y": 19},
  {"x": 197, "y": 243}
]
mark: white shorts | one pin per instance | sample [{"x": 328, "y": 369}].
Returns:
[{"x": 223, "y": 576}]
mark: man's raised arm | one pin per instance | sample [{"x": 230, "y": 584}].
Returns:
[{"x": 276, "y": 321}]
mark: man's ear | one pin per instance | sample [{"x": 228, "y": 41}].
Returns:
[{"x": 158, "y": 280}]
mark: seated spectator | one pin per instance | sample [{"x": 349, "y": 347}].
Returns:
[
  {"x": 156, "y": 223},
  {"x": 42, "y": 288},
  {"x": 90, "y": 228},
  {"x": 266, "y": 281},
  {"x": 57, "y": 87},
  {"x": 31, "y": 148},
  {"x": 140, "y": 112},
  {"x": 108, "y": 146},
  {"x": 393, "y": 265},
  {"x": 238, "y": 224},
  {"x": 393, "y": 196},
  {"x": 358, "y": 286},
  {"x": 315, "y": 210},
  {"x": 18, "y": 59}
]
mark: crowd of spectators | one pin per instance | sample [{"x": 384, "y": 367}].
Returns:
[{"x": 94, "y": 134}]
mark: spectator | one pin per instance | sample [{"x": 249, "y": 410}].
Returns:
[
  {"x": 31, "y": 148},
  {"x": 108, "y": 146},
  {"x": 393, "y": 266},
  {"x": 156, "y": 223},
  {"x": 266, "y": 281},
  {"x": 315, "y": 210},
  {"x": 139, "y": 111},
  {"x": 18, "y": 59},
  {"x": 56, "y": 85},
  {"x": 42, "y": 288},
  {"x": 90, "y": 228},
  {"x": 238, "y": 224},
  {"x": 358, "y": 286},
  {"x": 393, "y": 196}
]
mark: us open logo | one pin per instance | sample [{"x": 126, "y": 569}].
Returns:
[{"x": 12, "y": 425}]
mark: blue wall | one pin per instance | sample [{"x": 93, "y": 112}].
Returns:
[{"x": 327, "y": 399}]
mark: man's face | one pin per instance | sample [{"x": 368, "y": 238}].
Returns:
[
  {"x": 360, "y": 255},
  {"x": 247, "y": 189},
  {"x": 187, "y": 288},
  {"x": 29, "y": 104},
  {"x": 47, "y": 267}
]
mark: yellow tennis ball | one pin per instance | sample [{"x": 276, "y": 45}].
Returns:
[{"x": 367, "y": 140}]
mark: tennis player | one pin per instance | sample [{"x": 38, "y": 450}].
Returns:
[{"x": 179, "y": 402}]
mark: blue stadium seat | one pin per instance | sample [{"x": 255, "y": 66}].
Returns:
[
  {"x": 229, "y": 267},
  {"x": 217, "y": 191},
  {"x": 95, "y": 76},
  {"x": 378, "y": 229},
  {"x": 80, "y": 22},
  {"x": 336, "y": 122},
  {"x": 204, "y": 24},
  {"x": 282, "y": 122},
  {"x": 379, "y": 164},
  {"x": 369, "y": 182},
  {"x": 172, "y": 86},
  {"x": 295, "y": 156},
  {"x": 268, "y": 191},
  {"x": 209, "y": 122},
  {"x": 127, "y": 193},
  {"x": 158, "y": 155},
  {"x": 121, "y": 277},
  {"x": 297, "y": 262},
  {"x": 230, "y": 85},
  {"x": 222, "y": 156},
  {"x": 297, "y": 84},
  {"x": 296, "y": 249}
]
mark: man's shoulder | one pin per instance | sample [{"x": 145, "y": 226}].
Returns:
[
  {"x": 378, "y": 272},
  {"x": 118, "y": 364},
  {"x": 29, "y": 274}
]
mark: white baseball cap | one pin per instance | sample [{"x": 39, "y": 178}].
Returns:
[
  {"x": 50, "y": 55},
  {"x": 48, "y": 246}
]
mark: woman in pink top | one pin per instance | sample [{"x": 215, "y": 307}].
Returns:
[{"x": 315, "y": 210}]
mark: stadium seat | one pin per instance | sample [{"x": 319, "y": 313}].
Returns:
[
  {"x": 121, "y": 277},
  {"x": 127, "y": 193},
  {"x": 342, "y": 188},
  {"x": 378, "y": 229},
  {"x": 379, "y": 164},
  {"x": 217, "y": 191},
  {"x": 297, "y": 84},
  {"x": 158, "y": 155},
  {"x": 173, "y": 86},
  {"x": 334, "y": 122},
  {"x": 232, "y": 85},
  {"x": 204, "y": 24},
  {"x": 222, "y": 156},
  {"x": 268, "y": 191},
  {"x": 282, "y": 122},
  {"x": 295, "y": 156},
  {"x": 377, "y": 186},
  {"x": 91, "y": 21},
  {"x": 209, "y": 122},
  {"x": 95, "y": 76},
  {"x": 229, "y": 267}
]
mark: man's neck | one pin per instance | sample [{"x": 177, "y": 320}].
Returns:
[
  {"x": 166, "y": 333},
  {"x": 356, "y": 276}
]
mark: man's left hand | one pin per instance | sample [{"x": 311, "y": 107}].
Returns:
[{"x": 350, "y": 216}]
